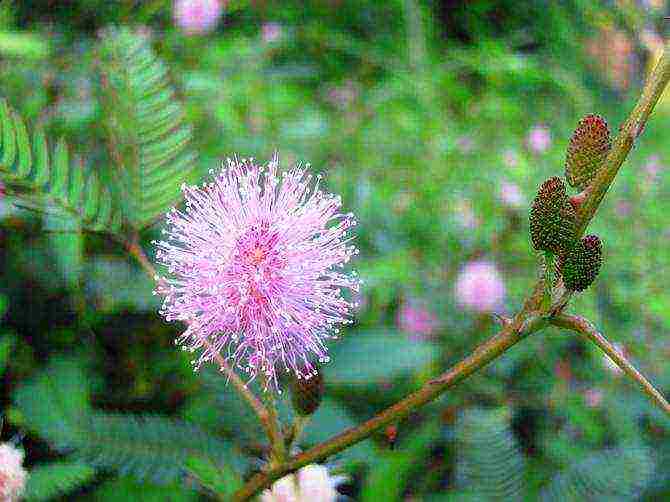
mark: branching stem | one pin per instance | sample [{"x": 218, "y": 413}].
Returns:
[
  {"x": 588, "y": 330},
  {"x": 530, "y": 318}
]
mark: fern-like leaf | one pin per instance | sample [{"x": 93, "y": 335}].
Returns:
[
  {"x": 150, "y": 141},
  {"x": 148, "y": 447},
  {"x": 55, "y": 402},
  {"x": 56, "y": 405},
  {"x": 47, "y": 177},
  {"x": 617, "y": 474},
  {"x": 46, "y": 482},
  {"x": 489, "y": 460}
]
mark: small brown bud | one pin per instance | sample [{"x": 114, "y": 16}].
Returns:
[
  {"x": 588, "y": 148},
  {"x": 552, "y": 218},
  {"x": 306, "y": 393}
]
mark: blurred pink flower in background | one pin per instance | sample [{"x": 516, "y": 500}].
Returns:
[
  {"x": 415, "y": 319},
  {"x": 12, "y": 474},
  {"x": 623, "y": 208},
  {"x": 271, "y": 32},
  {"x": 510, "y": 158},
  {"x": 613, "y": 52},
  {"x": 465, "y": 144},
  {"x": 593, "y": 397},
  {"x": 539, "y": 138},
  {"x": 653, "y": 167},
  {"x": 196, "y": 17},
  {"x": 343, "y": 96},
  {"x": 480, "y": 287},
  {"x": 465, "y": 215},
  {"x": 510, "y": 194}
]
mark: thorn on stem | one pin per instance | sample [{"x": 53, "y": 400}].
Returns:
[{"x": 503, "y": 320}]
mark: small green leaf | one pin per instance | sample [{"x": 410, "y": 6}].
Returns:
[
  {"x": 46, "y": 482},
  {"x": 218, "y": 479},
  {"x": 369, "y": 357}
]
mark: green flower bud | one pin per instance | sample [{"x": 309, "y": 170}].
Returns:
[
  {"x": 588, "y": 148},
  {"x": 553, "y": 224},
  {"x": 580, "y": 266}
]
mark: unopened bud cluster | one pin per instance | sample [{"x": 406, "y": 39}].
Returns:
[
  {"x": 588, "y": 148},
  {"x": 553, "y": 214}
]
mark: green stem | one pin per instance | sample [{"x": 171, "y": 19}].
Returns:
[
  {"x": 275, "y": 436},
  {"x": 520, "y": 327},
  {"x": 588, "y": 330},
  {"x": 629, "y": 132}
]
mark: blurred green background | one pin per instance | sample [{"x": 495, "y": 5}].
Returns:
[{"x": 436, "y": 121}]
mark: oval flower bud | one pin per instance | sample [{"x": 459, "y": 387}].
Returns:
[
  {"x": 588, "y": 148},
  {"x": 306, "y": 393},
  {"x": 580, "y": 266},
  {"x": 552, "y": 218}
]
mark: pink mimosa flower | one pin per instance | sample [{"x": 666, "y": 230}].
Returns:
[
  {"x": 271, "y": 32},
  {"x": 510, "y": 194},
  {"x": 254, "y": 269},
  {"x": 416, "y": 320},
  {"x": 480, "y": 287},
  {"x": 196, "y": 17},
  {"x": 539, "y": 139},
  {"x": 12, "y": 474}
]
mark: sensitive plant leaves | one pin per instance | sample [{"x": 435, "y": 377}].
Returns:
[
  {"x": 617, "y": 474},
  {"x": 56, "y": 405},
  {"x": 370, "y": 357},
  {"x": 148, "y": 135},
  {"x": 332, "y": 418},
  {"x": 219, "y": 479},
  {"x": 489, "y": 459},
  {"x": 47, "y": 482},
  {"x": 47, "y": 177},
  {"x": 391, "y": 470},
  {"x": 126, "y": 488}
]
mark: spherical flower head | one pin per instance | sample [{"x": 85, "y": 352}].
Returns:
[
  {"x": 510, "y": 194},
  {"x": 539, "y": 138},
  {"x": 196, "y": 17},
  {"x": 480, "y": 287},
  {"x": 255, "y": 269},
  {"x": 311, "y": 483},
  {"x": 12, "y": 474},
  {"x": 416, "y": 320},
  {"x": 271, "y": 32}
]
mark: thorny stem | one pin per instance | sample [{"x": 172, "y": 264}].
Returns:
[
  {"x": 587, "y": 329},
  {"x": 267, "y": 418},
  {"x": 524, "y": 322}
]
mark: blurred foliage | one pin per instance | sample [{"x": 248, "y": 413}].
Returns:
[{"x": 418, "y": 113}]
